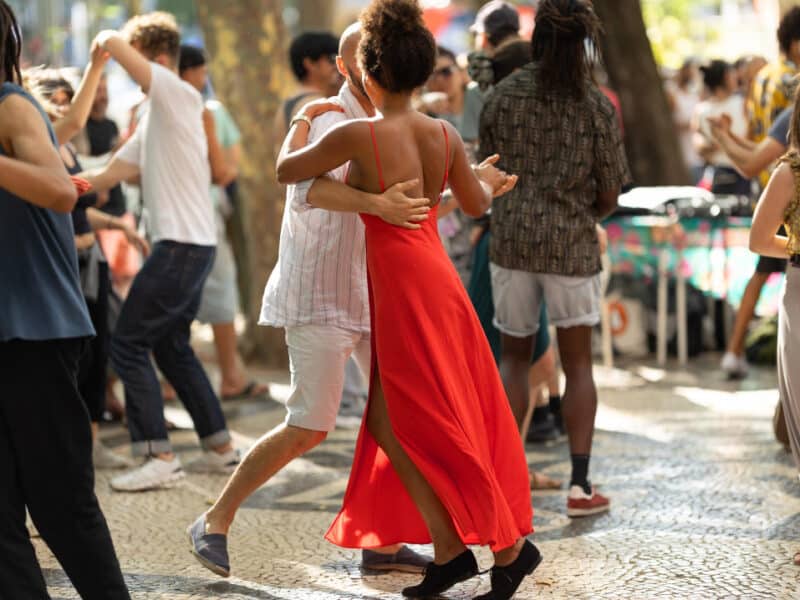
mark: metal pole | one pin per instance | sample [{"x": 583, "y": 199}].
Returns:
[{"x": 662, "y": 308}]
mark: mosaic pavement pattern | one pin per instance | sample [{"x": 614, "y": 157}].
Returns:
[{"x": 704, "y": 505}]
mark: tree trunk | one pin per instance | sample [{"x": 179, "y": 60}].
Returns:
[
  {"x": 651, "y": 140},
  {"x": 246, "y": 41},
  {"x": 316, "y": 15}
]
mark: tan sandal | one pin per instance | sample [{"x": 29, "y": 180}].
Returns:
[
  {"x": 797, "y": 559},
  {"x": 540, "y": 481}
]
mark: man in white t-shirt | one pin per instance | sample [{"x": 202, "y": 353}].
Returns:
[{"x": 169, "y": 152}]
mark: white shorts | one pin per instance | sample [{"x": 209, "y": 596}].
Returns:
[
  {"x": 318, "y": 355},
  {"x": 518, "y": 297}
]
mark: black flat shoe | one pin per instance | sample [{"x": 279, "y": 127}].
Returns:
[
  {"x": 506, "y": 580},
  {"x": 440, "y": 578}
]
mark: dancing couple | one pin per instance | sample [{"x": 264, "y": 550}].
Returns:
[{"x": 437, "y": 459}]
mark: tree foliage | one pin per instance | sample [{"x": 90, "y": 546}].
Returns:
[{"x": 674, "y": 30}]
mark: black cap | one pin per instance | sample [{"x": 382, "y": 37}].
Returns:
[{"x": 495, "y": 16}]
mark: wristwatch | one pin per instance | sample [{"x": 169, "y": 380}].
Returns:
[{"x": 298, "y": 118}]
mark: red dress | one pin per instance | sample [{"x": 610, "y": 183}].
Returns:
[{"x": 445, "y": 400}]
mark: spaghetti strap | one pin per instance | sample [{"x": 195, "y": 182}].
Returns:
[
  {"x": 377, "y": 156},
  {"x": 446, "y": 157}
]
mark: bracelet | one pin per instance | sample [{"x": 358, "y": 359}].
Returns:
[
  {"x": 110, "y": 224},
  {"x": 298, "y": 118}
]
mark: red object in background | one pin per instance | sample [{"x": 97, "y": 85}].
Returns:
[
  {"x": 438, "y": 19},
  {"x": 617, "y": 106},
  {"x": 81, "y": 185},
  {"x": 527, "y": 16}
]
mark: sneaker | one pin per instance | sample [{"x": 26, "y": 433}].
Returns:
[
  {"x": 213, "y": 462},
  {"x": 539, "y": 433},
  {"x": 152, "y": 475},
  {"x": 104, "y": 457},
  {"x": 581, "y": 504},
  {"x": 736, "y": 367}
]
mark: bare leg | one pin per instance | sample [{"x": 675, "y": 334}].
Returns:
[
  {"x": 514, "y": 366},
  {"x": 234, "y": 375},
  {"x": 270, "y": 454},
  {"x": 540, "y": 373},
  {"x": 747, "y": 311},
  {"x": 580, "y": 396},
  {"x": 553, "y": 383},
  {"x": 446, "y": 542},
  {"x": 543, "y": 372}
]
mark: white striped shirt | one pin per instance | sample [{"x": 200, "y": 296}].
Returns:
[{"x": 321, "y": 274}]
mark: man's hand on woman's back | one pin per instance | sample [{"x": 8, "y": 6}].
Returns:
[{"x": 396, "y": 208}]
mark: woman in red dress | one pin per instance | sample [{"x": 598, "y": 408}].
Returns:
[{"x": 438, "y": 457}]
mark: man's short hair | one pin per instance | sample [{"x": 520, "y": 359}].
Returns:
[
  {"x": 789, "y": 29},
  {"x": 498, "y": 20},
  {"x": 154, "y": 33},
  {"x": 313, "y": 45},
  {"x": 191, "y": 57}
]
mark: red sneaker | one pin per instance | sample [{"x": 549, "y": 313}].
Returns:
[{"x": 581, "y": 504}]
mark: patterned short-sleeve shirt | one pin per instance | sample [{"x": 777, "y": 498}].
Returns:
[
  {"x": 770, "y": 93},
  {"x": 565, "y": 150}
]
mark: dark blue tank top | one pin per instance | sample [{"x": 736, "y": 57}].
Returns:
[{"x": 40, "y": 294}]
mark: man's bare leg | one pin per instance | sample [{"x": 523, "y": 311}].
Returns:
[{"x": 270, "y": 454}]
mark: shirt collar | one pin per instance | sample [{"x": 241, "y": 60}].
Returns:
[{"x": 352, "y": 107}]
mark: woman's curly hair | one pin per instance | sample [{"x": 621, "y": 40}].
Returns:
[
  {"x": 396, "y": 48},
  {"x": 155, "y": 33},
  {"x": 566, "y": 42}
]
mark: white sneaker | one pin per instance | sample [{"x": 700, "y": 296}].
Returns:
[
  {"x": 104, "y": 457},
  {"x": 153, "y": 474},
  {"x": 212, "y": 462},
  {"x": 735, "y": 366}
]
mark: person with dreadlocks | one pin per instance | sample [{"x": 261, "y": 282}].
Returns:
[
  {"x": 544, "y": 245},
  {"x": 45, "y": 438}
]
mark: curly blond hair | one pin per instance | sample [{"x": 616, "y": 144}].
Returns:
[{"x": 154, "y": 34}]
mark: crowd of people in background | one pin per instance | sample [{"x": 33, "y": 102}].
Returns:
[
  {"x": 463, "y": 232},
  {"x": 734, "y": 121}
]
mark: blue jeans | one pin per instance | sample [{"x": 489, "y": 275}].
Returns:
[{"x": 157, "y": 317}]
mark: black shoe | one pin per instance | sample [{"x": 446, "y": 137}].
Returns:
[
  {"x": 506, "y": 580},
  {"x": 539, "y": 433},
  {"x": 440, "y": 578}
]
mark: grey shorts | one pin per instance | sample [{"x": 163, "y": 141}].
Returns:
[
  {"x": 220, "y": 294},
  {"x": 518, "y": 297}
]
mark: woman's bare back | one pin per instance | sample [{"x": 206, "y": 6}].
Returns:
[{"x": 410, "y": 146}]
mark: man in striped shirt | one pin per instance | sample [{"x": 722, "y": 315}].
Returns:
[{"x": 318, "y": 293}]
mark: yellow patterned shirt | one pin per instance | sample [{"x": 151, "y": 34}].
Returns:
[
  {"x": 792, "y": 216},
  {"x": 770, "y": 93}
]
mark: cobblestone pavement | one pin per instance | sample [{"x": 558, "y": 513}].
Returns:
[{"x": 705, "y": 505}]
